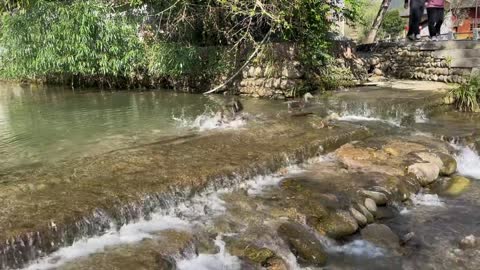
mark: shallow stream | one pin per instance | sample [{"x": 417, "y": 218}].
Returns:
[{"x": 210, "y": 230}]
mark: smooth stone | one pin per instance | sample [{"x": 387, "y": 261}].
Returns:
[
  {"x": 456, "y": 186},
  {"x": 469, "y": 242},
  {"x": 426, "y": 173},
  {"x": 304, "y": 244},
  {"x": 381, "y": 235},
  {"x": 371, "y": 205},
  {"x": 359, "y": 217},
  {"x": 366, "y": 213},
  {"x": 378, "y": 197},
  {"x": 430, "y": 157}
]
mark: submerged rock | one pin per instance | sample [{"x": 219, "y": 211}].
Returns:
[
  {"x": 426, "y": 173},
  {"x": 248, "y": 250},
  {"x": 381, "y": 235},
  {"x": 303, "y": 244},
  {"x": 456, "y": 186},
  {"x": 276, "y": 263},
  {"x": 337, "y": 225}
]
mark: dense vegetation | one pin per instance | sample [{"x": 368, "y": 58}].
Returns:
[{"x": 124, "y": 42}]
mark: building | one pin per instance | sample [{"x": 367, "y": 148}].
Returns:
[
  {"x": 465, "y": 17},
  {"x": 462, "y": 18}
]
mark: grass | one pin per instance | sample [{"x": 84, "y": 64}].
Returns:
[{"x": 467, "y": 95}]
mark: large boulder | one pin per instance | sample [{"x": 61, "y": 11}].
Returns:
[
  {"x": 446, "y": 163},
  {"x": 303, "y": 244},
  {"x": 248, "y": 250},
  {"x": 426, "y": 173},
  {"x": 381, "y": 235}
]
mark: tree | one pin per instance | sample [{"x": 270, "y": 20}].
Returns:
[
  {"x": 392, "y": 23},
  {"x": 372, "y": 35}
]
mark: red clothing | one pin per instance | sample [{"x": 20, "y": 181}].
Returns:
[{"x": 435, "y": 3}]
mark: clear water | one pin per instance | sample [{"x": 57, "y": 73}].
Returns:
[{"x": 47, "y": 125}]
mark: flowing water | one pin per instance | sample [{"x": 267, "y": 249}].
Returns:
[{"x": 49, "y": 125}]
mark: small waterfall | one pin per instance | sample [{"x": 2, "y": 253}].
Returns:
[
  {"x": 468, "y": 161},
  {"x": 175, "y": 214},
  {"x": 219, "y": 261}
]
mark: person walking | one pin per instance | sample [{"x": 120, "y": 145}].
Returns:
[
  {"x": 435, "y": 11},
  {"x": 417, "y": 8}
]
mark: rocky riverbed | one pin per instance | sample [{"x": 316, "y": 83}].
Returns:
[{"x": 367, "y": 189}]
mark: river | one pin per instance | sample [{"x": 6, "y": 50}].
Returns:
[{"x": 238, "y": 223}]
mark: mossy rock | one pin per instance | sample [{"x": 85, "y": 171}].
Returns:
[
  {"x": 456, "y": 186},
  {"x": 250, "y": 251},
  {"x": 337, "y": 225},
  {"x": 303, "y": 244}
]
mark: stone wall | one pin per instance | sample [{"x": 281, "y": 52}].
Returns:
[
  {"x": 412, "y": 61},
  {"x": 276, "y": 74}
]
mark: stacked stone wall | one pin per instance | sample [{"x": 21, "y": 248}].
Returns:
[{"x": 404, "y": 61}]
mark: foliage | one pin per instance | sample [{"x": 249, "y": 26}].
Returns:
[
  {"x": 109, "y": 39},
  {"x": 467, "y": 96},
  {"x": 366, "y": 11},
  {"x": 393, "y": 24},
  {"x": 84, "y": 38},
  {"x": 174, "y": 60}
]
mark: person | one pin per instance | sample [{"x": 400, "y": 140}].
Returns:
[
  {"x": 435, "y": 11},
  {"x": 417, "y": 7}
]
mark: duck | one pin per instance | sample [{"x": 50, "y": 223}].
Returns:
[{"x": 296, "y": 107}]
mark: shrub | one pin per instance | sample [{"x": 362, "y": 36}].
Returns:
[
  {"x": 467, "y": 95},
  {"x": 82, "y": 38}
]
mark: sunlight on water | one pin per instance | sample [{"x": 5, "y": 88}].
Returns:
[
  {"x": 468, "y": 162},
  {"x": 359, "y": 248},
  {"x": 424, "y": 199}
]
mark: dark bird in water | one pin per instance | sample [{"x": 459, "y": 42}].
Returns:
[
  {"x": 230, "y": 111},
  {"x": 234, "y": 107},
  {"x": 297, "y": 107}
]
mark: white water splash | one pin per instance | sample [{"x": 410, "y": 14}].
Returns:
[
  {"x": 420, "y": 116},
  {"x": 210, "y": 121},
  {"x": 359, "y": 248},
  {"x": 182, "y": 216},
  {"x": 130, "y": 233},
  {"x": 468, "y": 162},
  {"x": 220, "y": 261},
  {"x": 360, "y": 118},
  {"x": 426, "y": 199}
]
